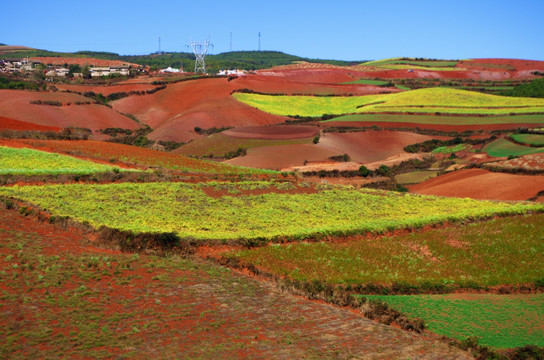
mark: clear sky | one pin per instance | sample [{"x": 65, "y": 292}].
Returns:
[{"x": 341, "y": 29}]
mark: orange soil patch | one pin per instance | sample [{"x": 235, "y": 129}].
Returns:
[
  {"x": 273, "y": 132},
  {"x": 529, "y": 162},
  {"x": 439, "y": 127},
  {"x": 11, "y": 124},
  {"x": 105, "y": 89},
  {"x": 517, "y": 64},
  {"x": 290, "y": 84},
  {"x": 320, "y": 74},
  {"x": 82, "y": 61},
  {"x": 281, "y": 157},
  {"x": 15, "y": 104},
  {"x": 482, "y": 184},
  {"x": 175, "y": 111},
  {"x": 371, "y": 146}
]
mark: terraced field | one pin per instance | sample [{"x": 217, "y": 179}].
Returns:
[
  {"x": 192, "y": 213},
  {"x": 530, "y": 139},
  {"x": 477, "y": 255},
  {"x": 426, "y": 101},
  {"x": 34, "y": 162},
  {"x": 112, "y": 152},
  {"x": 502, "y": 147}
]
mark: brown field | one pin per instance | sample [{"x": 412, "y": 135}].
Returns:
[
  {"x": 482, "y": 184},
  {"x": 175, "y": 111},
  {"x": 15, "y": 104},
  {"x": 105, "y": 89},
  {"x": 273, "y": 132}
]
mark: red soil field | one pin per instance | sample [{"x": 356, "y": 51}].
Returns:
[
  {"x": 11, "y": 124},
  {"x": 105, "y": 89},
  {"x": 481, "y": 184},
  {"x": 371, "y": 146},
  {"x": 273, "y": 132},
  {"x": 15, "y": 104},
  {"x": 81, "y": 61},
  {"x": 175, "y": 111},
  {"x": 281, "y": 157},
  {"x": 439, "y": 127},
  {"x": 271, "y": 83},
  {"x": 517, "y": 64},
  {"x": 320, "y": 74},
  {"x": 147, "y": 307}
]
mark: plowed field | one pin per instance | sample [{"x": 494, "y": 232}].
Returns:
[{"x": 482, "y": 184}]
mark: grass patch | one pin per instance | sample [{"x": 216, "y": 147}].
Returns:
[
  {"x": 502, "y": 147},
  {"x": 505, "y": 251},
  {"x": 500, "y": 321},
  {"x": 34, "y": 162},
  {"x": 530, "y": 139}
]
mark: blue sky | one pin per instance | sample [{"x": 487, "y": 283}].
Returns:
[{"x": 344, "y": 30}]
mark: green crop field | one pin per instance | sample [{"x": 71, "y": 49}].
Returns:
[
  {"x": 368, "y": 82},
  {"x": 451, "y": 149},
  {"x": 441, "y": 120},
  {"x": 430, "y": 100},
  {"x": 502, "y": 147},
  {"x": 35, "y": 162},
  {"x": 531, "y": 139},
  {"x": 496, "y": 252},
  {"x": 415, "y": 177},
  {"x": 500, "y": 321},
  {"x": 188, "y": 211}
]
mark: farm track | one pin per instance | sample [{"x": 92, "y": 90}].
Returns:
[{"x": 64, "y": 297}]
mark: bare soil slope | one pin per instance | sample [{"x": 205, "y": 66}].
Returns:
[
  {"x": 482, "y": 184},
  {"x": 175, "y": 111},
  {"x": 15, "y": 104}
]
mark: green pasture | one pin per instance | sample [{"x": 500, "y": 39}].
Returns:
[
  {"x": 499, "y": 321},
  {"x": 34, "y": 162},
  {"x": 497, "y": 252},
  {"x": 502, "y": 147},
  {"x": 189, "y": 212},
  {"x": 531, "y": 139}
]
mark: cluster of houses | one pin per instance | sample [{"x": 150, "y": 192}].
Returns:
[{"x": 25, "y": 65}]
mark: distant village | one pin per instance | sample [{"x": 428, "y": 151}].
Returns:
[{"x": 63, "y": 71}]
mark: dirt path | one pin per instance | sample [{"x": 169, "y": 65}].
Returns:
[{"x": 62, "y": 297}]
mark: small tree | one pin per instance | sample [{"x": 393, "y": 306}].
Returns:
[
  {"x": 316, "y": 139},
  {"x": 364, "y": 172},
  {"x": 86, "y": 71},
  {"x": 383, "y": 170}
]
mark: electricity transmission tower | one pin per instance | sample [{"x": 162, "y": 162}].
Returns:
[{"x": 200, "y": 48}]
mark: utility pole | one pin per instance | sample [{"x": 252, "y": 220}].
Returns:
[
  {"x": 231, "y": 41},
  {"x": 259, "y": 41},
  {"x": 200, "y": 48}
]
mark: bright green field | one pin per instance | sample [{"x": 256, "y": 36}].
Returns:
[
  {"x": 532, "y": 139},
  {"x": 450, "y": 149},
  {"x": 368, "y": 82},
  {"x": 442, "y": 120},
  {"x": 430, "y": 100},
  {"x": 186, "y": 209},
  {"x": 500, "y": 321},
  {"x": 35, "y": 162},
  {"x": 502, "y": 147},
  {"x": 497, "y": 252}
]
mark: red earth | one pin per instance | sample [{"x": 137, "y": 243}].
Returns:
[
  {"x": 439, "y": 127},
  {"x": 273, "y": 132},
  {"x": 15, "y": 104},
  {"x": 481, "y": 184},
  {"x": 105, "y": 89},
  {"x": 11, "y": 124},
  {"x": 174, "y": 112},
  {"x": 307, "y": 83}
]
